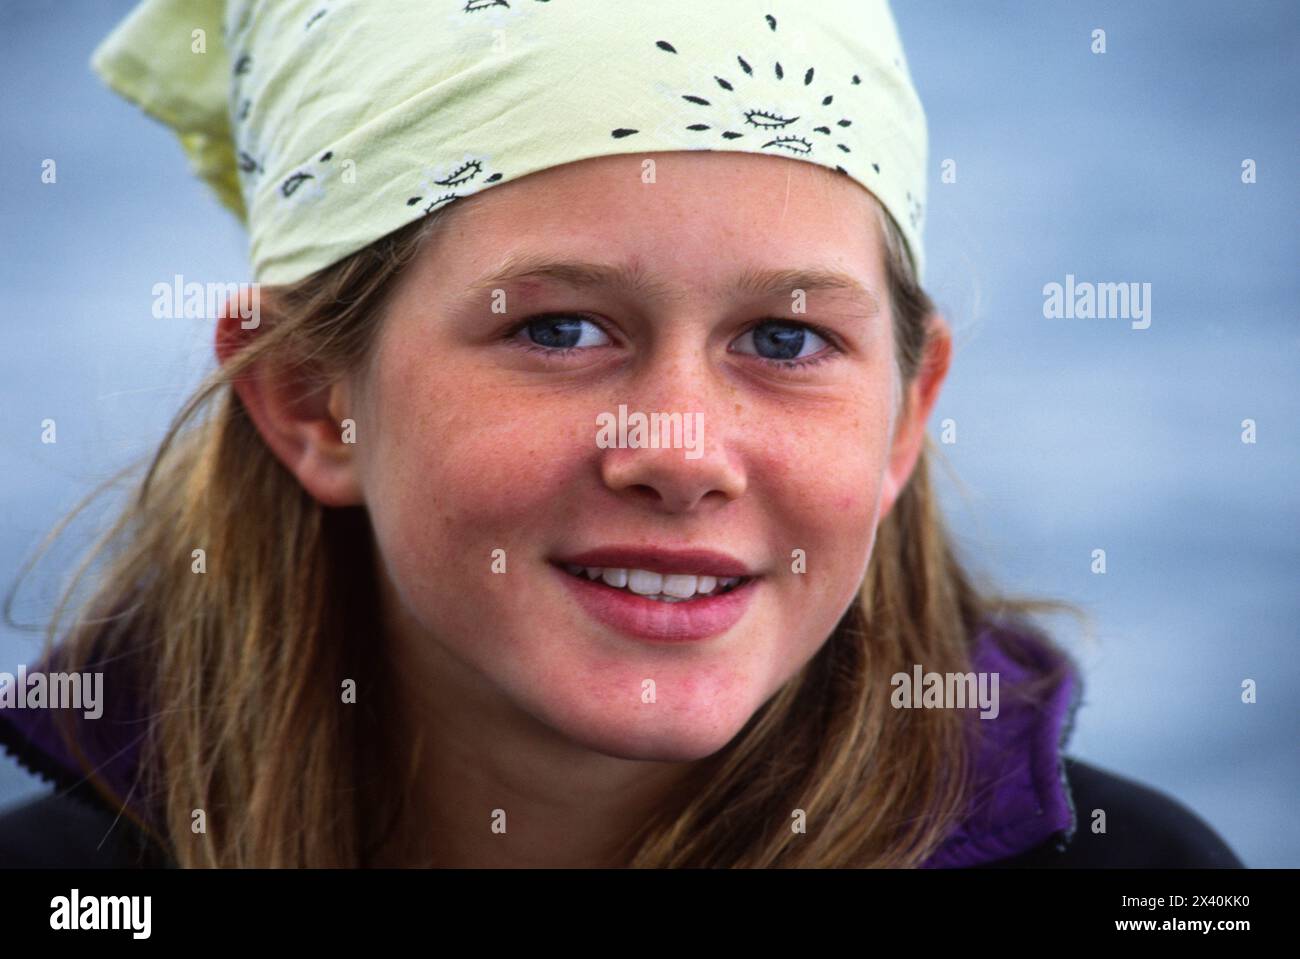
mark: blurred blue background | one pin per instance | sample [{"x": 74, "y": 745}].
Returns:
[{"x": 1072, "y": 434}]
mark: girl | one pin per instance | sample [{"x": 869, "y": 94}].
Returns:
[{"x": 391, "y": 593}]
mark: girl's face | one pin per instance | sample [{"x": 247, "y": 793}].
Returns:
[{"x": 746, "y": 294}]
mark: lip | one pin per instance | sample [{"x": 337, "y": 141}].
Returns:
[
  {"x": 650, "y": 619},
  {"x": 701, "y": 562}
]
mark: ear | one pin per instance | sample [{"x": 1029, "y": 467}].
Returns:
[
  {"x": 301, "y": 423},
  {"x": 919, "y": 400}
]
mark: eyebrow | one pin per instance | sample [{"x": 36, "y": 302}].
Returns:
[{"x": 753, "y": 282}]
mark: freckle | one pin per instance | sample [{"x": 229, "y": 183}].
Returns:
[{"x": 738, "y": 409}]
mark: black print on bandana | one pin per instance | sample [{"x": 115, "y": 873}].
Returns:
[
  {"x": 292, "y": 182},
  {"x": 913, "y": 210},
  {"x": 248, "y": 165},
  {"x": 467, "y": 172},
  {"x": 796, "y": 135},
  {"x": 242, "y": 65},
  {"x": 472, "y": 6}
]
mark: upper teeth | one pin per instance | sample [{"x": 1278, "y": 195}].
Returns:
[{"x": 644, "y": 583}]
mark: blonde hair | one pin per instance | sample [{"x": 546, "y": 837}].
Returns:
[{"x": 244, "y": 663}]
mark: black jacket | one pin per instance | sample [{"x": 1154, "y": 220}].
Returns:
[{"x": 1144, "y": 829}]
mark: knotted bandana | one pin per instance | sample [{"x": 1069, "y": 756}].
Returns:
[{"x": 326, "y": 124}]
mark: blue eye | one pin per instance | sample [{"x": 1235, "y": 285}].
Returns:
[
  {"x": 782, "y": 342},
  {"x": 560, "y": 333}
]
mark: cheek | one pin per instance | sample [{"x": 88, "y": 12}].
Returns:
[
  {"x": 828, "y": 468},
  {"x": 824, "y": 482},
  {"x": 456, "y": 472}
]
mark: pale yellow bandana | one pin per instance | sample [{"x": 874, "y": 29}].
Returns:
[{"x": 326, "y": 124}]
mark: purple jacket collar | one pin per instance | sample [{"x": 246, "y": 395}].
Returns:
[
  {"x": 1021, "y": 798},
  {"x": 113, "y": 741}
]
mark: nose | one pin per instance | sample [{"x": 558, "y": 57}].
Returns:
[
  {"x": 666, "y": 480},
  {"x": 681, "y": 458}
]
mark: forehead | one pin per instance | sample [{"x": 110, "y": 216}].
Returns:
[
  {"x": 702, "y": 217},
  {"x": 717, "y": 183}
]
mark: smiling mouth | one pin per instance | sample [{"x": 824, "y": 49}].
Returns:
[{"x": 663, "y": 588}]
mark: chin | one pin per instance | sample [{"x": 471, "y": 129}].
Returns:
[
  {"x": 667, "y": 750},
  {"x": 662, "y": 738}
]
